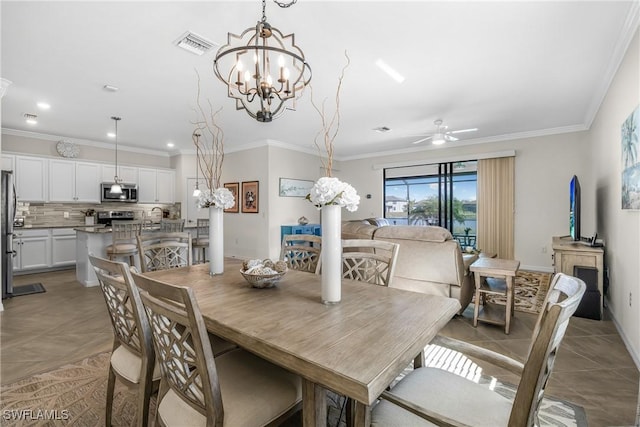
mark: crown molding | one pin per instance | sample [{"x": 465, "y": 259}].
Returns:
[{"x": 85, "y": 142}]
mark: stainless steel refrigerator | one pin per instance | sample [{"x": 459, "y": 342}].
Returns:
[{"x": 8, "y": 215}]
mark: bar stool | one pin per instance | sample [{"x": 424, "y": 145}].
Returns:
[
  {"x": 201, "y": 242},
  {"x": 124, "y": 234}
]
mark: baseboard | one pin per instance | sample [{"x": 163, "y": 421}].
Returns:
[{"x": 635, "y": 356}]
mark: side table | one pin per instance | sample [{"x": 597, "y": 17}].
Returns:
[{"x": 504, "y": 270}]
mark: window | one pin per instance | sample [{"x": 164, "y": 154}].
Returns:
[{"x": 442, "y": 194}]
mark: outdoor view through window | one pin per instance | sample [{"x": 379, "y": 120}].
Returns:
[{"x": 443, "y": 195}]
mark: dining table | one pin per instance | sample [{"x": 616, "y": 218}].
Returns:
[{"x": 355, "y": 348}]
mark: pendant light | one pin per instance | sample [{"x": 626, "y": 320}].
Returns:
[
  {"x": 196, "y": 190},
  {"x": 116, "y": 188}
]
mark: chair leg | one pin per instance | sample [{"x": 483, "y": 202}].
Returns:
[
  {"x": 111, "y": 383},
  {"x": 144, "y": 397}
]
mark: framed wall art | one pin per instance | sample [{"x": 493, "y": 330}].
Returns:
[
  {"x": 630, "y": 137},
  {"x": 294, "y": 187},
  {"x": 234, "y": 187},
  {"x": 249, "y": 197}
]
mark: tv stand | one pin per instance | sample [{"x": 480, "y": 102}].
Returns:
[{"x": 568, "y": 254}]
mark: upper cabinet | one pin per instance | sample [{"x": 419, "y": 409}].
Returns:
[
  {"x": 156, "y": 185},
  {"x": 31, "y": 175},
  {"x": 127, "y": 174},
  {"x": 71, "y": 181}
]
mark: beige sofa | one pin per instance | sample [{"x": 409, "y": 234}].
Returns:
[{"x": 429, "y": 260}]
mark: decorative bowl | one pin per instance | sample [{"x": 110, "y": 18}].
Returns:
[{"x": 262, "y": 280}]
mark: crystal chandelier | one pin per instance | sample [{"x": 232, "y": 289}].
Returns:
[
  {"x": 116, "y": 188},
  {"x": 262, "y": 69}
]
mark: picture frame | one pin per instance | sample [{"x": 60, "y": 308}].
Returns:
[
  {"x": 290, "y": 187},
  {"x": 630, "y": 147},
  {"x": 234, "y": 187},
  {"x": 250, "y": 197}
]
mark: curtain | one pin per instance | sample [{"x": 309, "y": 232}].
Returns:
[{"x": 495, "y": 207}]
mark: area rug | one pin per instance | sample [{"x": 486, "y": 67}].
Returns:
[
  {"x": 529, "y": 292},
  {"x": 75, "y": 395},
  {"x": 31, "y": 288}
]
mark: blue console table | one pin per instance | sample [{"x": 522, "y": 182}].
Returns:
[{"x": 313, "y": 229}]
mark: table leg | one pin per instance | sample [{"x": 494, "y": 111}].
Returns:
[
  {"x": 314, "y": 404},
  {"x": 510, "y": 304},
  {"x": 476, "y": 305},
  {"x": 361, "y": 415}
]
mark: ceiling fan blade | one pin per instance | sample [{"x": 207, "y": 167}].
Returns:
[
  {"x": 423, "y": 139},
  {"x": 463, "y": 130}
]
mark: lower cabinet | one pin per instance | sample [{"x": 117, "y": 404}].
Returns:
[{"x": 44, "y": 249}]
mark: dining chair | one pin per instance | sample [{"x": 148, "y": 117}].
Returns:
[
  {"x": 172, "y": 225},
  {"x": 301, "y": 251},
  {"x": 161, "y": 251},
  {"x": 233, "y": 389},
  {"x": 132, "y": 357},
  {"x": 201, "y": 242},
  {"x": 435, "y": 394},
  {"x": 124, "y": 234},
  {"x": 371, "y": 261}
]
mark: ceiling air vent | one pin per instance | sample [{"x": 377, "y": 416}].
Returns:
[{"x": 194, "y": 43}]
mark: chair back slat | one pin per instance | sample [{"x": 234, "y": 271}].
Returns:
[
  {"x": 202, "y": 228},
  {"x": 562, "y": 300},
  {"x": 161, "y": 251},
  {"x": 182, "y": 345},
  {"x": 172, "y": 225},
  {"x": 125, "y": 231},
  {"x": 371, "y": 261},
  {"x": 301, "y": 252}
]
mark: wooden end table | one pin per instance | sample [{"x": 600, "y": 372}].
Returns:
[{"x": 498, "y": 274}]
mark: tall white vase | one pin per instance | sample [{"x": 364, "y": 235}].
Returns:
[
  {"x": 331, "y": 254},
  {"x": 216, "y": 241}
]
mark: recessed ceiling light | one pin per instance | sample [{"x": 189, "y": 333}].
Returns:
[
  {"x": 170, "y": 144},
  {"x": 43, "y": 106},
  {"x": 32, "y": 119},
  {"x": 111, "y": 134},
  {"x": 390, "y": 71},
  {"x": 382, "y": 129}
]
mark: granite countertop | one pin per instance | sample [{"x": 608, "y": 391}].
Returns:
[{"x": 45, "y": 227}]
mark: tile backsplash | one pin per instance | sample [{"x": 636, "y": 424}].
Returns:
[{"x": 73, "y": 214}]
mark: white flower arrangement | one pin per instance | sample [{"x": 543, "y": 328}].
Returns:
[
  {"x": 220, "y": 198},
  {"x": 331, "y": 191}
]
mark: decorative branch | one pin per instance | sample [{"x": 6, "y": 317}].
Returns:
[
  {"x": 209, "y": 142},
  {"x": 330, "y": 127}
]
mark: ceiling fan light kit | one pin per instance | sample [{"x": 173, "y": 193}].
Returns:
[
  {"x": 262, "y": 69},
  {"x": 442, "y": 135}
]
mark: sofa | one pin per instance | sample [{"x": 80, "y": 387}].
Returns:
[{"x": 429, "y": 260}]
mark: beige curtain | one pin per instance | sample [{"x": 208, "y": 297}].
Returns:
[{"x": 496, "y": 189}]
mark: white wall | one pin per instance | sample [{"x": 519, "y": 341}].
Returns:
[
  {"x": 45, "y": 147},
  {"x": 544, "y": 167},
  {"x": 620, "y": 228}
]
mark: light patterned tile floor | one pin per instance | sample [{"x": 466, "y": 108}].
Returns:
[{"x": 69, "y": 322}]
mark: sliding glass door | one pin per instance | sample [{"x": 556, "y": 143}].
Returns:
[{"x": 442, "y": 194}]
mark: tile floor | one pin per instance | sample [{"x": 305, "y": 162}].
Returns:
[{"x": 69, "y": 322}]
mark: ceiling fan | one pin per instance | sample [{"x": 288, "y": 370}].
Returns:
[{"x": 442, "y": 135}]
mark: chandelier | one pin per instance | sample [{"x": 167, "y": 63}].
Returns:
[{"x": 262, "y": 69}]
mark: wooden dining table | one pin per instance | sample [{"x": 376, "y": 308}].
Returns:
[{"x": 355, "y": 348}]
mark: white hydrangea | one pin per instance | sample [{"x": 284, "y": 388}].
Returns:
[
  {"x": 220, "y": 198},
  {"x": 332, "y": 191}
]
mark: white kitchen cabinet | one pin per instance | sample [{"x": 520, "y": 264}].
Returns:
[
  {"x": 33, "y": 249},
  {"x": 8, "y": 162},
  {"x": 31, "y": 177},
  {"x": 127, "y": 174},
  {"x": 71, "y": 181},
  {"x": 63, "y": 247},
  {"x": 156, "y": 185}
]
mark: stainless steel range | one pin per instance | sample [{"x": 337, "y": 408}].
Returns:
[{"x": 105, "y": 217}]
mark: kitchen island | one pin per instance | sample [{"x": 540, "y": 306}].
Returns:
[{"x": 94, "y": 240}]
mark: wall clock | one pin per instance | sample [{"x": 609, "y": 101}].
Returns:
[{"x": 67, "y": 149}]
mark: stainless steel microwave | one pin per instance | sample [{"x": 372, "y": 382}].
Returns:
[{"x": 129, "y": 193}]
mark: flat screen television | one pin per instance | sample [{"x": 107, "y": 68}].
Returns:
[{"x": 574, "y": 208}]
